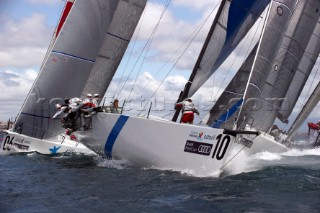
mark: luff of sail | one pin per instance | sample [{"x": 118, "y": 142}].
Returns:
[
  {"x": 115, "y": 43},
  {"x": 305, "y": 112},
  {"x": 270, "y": 43},
  {"x": 72, "y": 57},
  {"x": 225, "y": 109},
  {"x": 235, "y": 20},
  {"x": 301, "y": 76}
]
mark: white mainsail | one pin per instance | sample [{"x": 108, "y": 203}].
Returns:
[
  {"x": 301, "y": 76},
  {"x": 266, "y": 69},
  {"x": 67, "y": 66},
  {"x": 294, "y": 44}
]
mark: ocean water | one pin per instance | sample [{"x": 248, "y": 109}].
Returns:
[{"x": 265, "y": 182}]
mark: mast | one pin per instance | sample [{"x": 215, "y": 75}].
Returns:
[{"x": 184, "y": 94}]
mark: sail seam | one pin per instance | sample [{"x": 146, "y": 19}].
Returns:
[
  {"x": 118, "y": 37},
  {"x": 73, "y": 56},
  {"x": 38, "y": 116},
  {"x": 235, "y": 93}
]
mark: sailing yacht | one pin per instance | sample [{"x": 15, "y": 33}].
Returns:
[
  {"x": 266, "y": 77},
  {"x": 90, "y": 36},
  {"x": 268, "y": 73}
]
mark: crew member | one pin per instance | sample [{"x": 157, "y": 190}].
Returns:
[
  {"x": 188, "y": 110},
  {"x": 115, "y": 107}
]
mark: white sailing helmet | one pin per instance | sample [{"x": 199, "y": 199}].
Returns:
[
  {"x": 89, "y": 95},
  {"x": 96, "y": 95}
]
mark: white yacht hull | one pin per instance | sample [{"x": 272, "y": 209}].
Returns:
[
  {"x": 159, "y": 144},
  {"x": 11, "y": 142},
  {"x": 265, "y": 143},
  {"x": 165, "y": 144}
]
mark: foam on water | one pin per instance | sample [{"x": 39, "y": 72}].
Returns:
[
  {"x": 304, "y": 152},
  {"x": 267, "y": 156},
  {"x": 111, "y": 163}
]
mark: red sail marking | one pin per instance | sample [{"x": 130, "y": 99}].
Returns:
[{"x": 64, "y": 16}]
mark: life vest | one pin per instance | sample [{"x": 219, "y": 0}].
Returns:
[{"x": 313, "y": 126}]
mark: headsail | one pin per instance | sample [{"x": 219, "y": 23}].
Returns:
[
  {"x": 305, "y": 67},
  {"x": 232, "y": 22},
  {"x": 115, "y": 43},
  {"x": 225, "y": 109},
  {"x": 277, "y": 60},
  {"x": 72, "y": 57},
  {"x": 236, "y": 18}
]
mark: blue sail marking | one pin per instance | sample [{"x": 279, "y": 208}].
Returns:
[
  {"x": 224, "y": 117},
  {"x": 73, "y": 56},
  {"x": 114, "y": 134},
  {"x": 238, "y": 11}
]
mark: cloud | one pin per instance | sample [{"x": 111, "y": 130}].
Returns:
[
  {"x": 46, "y": 2},
  {"x": 24, "y": 42},
  {"x": 16, "y": 87},
  {"x": 197, "y": 5},
  {"x": 172, "y": 35}
]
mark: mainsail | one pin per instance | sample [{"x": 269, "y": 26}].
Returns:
[
  {"x": 232, "y": 22},
  {"x": 67, "y": 66},
  {"x": 305, "y": 67},
  {"x": 277, "y": 60},
  {"x": 114, "y": 45}
]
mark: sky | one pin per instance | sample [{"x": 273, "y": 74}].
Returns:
[{"x": 27, "y": 27}]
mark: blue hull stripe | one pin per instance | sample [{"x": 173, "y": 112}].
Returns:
[
  {"x": 223, "y": 118},
  {"x": 114, "y": 134}
]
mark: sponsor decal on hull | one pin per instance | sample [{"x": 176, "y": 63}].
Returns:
[
  {"x": 54, "y": 150},
  {"x": 198, "y": 147},
  {"x": 201, "y": 148},
  {"x": 201, "y": 136},
  {"x": 21, "y": 147}
]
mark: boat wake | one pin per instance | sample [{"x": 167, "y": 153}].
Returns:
[{"x": 243, "y": 163}]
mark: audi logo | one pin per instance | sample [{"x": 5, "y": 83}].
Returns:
[{"x": 204, "y": 149}]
